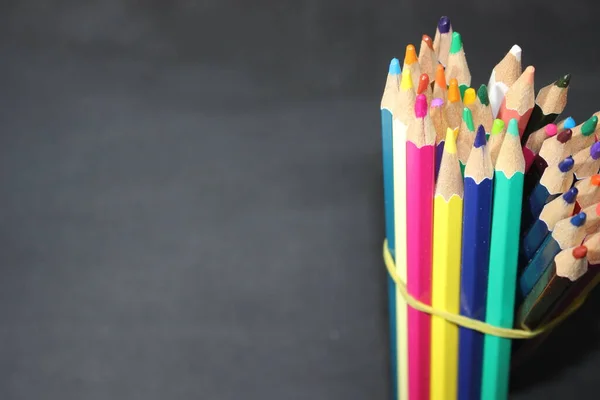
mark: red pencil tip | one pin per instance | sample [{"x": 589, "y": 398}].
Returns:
[
  {"x": 423, "y": 83},
  {"x": 427, "y": 41},
  {"x": 579, "y": 252},
  {"x": 421, "y": 106}
]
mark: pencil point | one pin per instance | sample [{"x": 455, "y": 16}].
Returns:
[
  {"x": 482, "y": 93},
  {"x": 563, "y": 81},
  {"x": 410, "y": 57},
  {"x": 579, "y": 219},
  {"x": 528, "y": 74},
  {"x": 456, "y": 44},
  {"x": 579, "y": 252},
  {"x": 479, "y": 137},
  {"x": 467, "y": 117},
  {"x": 497, "y": 126},
  {"x": 513, "y": 127},
  {"x": 440, "y": 77},
  {"x": 437, "y": 102},
  {"x": 564, "y": 136},
  {"x": 589, "y": 126},
  {"x": 423, "y": 83},
  {"x": 570, "y": 123},
  {"x": 570, "y": 195},
  {"x": 421, "y": 106},
  {"x": 550, "y": 130},
  {"x": 566, "y": 165},
  {"x": 394, "y": 67},
  {"x": 469, "y": 97},
  {"x": 450, "y": 144},
  {"x": 595, "y": 151},
  {"x": 406, "y": 81},
  {"x": 453, "y": 91},
  {"x": 427, "y": 40},
  {"x": 444, "y": 25},
  {"x": 595, "y": 180}
]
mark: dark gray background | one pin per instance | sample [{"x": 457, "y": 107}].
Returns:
[{"x": 192, "y": 200}]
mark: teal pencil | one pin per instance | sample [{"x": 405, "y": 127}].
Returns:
[{"x": 504, "y": 251}]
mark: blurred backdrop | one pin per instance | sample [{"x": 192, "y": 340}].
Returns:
[{"x": 191, "y": 197}]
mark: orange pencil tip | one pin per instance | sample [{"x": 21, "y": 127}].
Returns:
[
  {"x": 411, "y": 55},
  {"x": 453, "y": 91},
  {"x": 595, "y": 180},
  {"x": 440, "y": 77},
  {"x": 427, "y": 41}
]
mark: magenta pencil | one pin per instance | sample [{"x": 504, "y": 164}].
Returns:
[{"x": 420, "y": 169}]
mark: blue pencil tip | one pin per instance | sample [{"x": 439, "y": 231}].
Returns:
[
  {"x": 579, "y": 219},
  {"x": 570, "y": 123},
  {"x": 479, "y": 137},
  {"x": 566, "y": 164},
  {"x": 570, "y": 195},
  {"x": 394, "y": 67}
]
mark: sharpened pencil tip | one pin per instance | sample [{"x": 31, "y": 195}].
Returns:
[
  {"x": 468, "y": 119},
  {"x": 579, "y": 219},
  {"x": 440, "y": 77},
  {"x": 456, "y": 44},
  {"x": 516, "y": 51},
  {"x": 579, "y": 252},
  {"x": 479, "y": 137},
  {"x": 595, "y": 151},
  {"x": 437, "y": 102},
  {"x": 444, "y": 24},
  {"x": 550, "y": 130},
  {"x": 569, "y": 123},
  {"x": 406, "y": 81},
  {"x": 450, "y": 144},
  {"x": 497, "y": 126},
  {"x": 564, "y": 136},
  {"x": 421, "y": 106},
  {"x": 394, "y": 67},
  {"x": 566, "y": 165},
  {"x": 410, "y": 57},
  {"x": 482, "y": 93},
  {"x": 513, "y": 127},
  {"x": 563, "y": 81},
  {"x": 595, "y": 180},
  {"x": 423, "y": 83},
  {"x": 469, "y": 96},
  {"x": 427, "y": 40},
  {"x": 589, "y": 126},
  {"x": 453, "y": 91},
  {"x": 570, "y": 195},
  {"x": 529, "y": 74}
]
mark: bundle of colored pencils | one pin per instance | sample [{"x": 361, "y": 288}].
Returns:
[{"x": 492, "y": 212}]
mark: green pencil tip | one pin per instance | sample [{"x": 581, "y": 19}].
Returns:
[
  {"x": 497, "y": 126},
  {"x": 589, "y": 126},
  {"x": 563, "y": 81},
  {"x": 468, "y": 118},
  {"x": 482, "y": 93},
  {"x": 456, "y": 43},
  {"x": 513, "y": 127}
]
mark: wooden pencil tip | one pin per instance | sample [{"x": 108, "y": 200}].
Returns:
[
  {"x": 394, "y": 67},
  {"x": 564, "y": 136},
  {"x": 579, "y": 219},
  {"x": 579, "y": 252},
  {"x": 566, "y": 165},
  {"x": 440, "y": 77},
  {"x": 410, "y": 57},
  {"x": 497, "y": 126},
  {"x": 569, "y": 123},
  {"x": 406, "y": 81},
  {"x": 444, "y": 25},
  {"x": 589, "y": 126},
  {"x": 456, "y": 43},
  {"x": 479, "y": 137},
  {"x": 595, "y": 180},
  {"x": 437, "y": 102},
  {"x": 595, "y": 150},
  {"x": 469, "y": 96},
  {"x": 570, "y": 195},
  {"x": 468, "y": 119},
  {"x": 513, "y": 127},
  {"x": 423, "y": 83},
  {"x": 421, "y": 106},
  {"x": 482, "y": 93},
  {"x": 453, "y": 91},
  {"x": 528, "y": 74},
  {"x": 450, "y": 144},
  {"x": 563, "y": 81},
  {"x": 550, "y": 130},
  {"x": 427, "y": 40}
]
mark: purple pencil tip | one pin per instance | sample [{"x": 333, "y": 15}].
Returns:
[
  {"x": 579, "y": 219},
  {"x": 566, "y": 164},
  {"x": 479, "y": 137},
  {"x": 595, "y": 151},
  {"x": 444, "y": 25},
  {"x": 437, "y": 102},
  {"x": 570, "y": 195}
]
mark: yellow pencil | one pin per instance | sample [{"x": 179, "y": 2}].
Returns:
[{"x": 447, "y": 234}]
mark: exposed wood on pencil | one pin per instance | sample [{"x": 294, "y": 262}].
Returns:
[
  {"x": 457, "y": 63},
  {"x": 519, "y": 100},
  {"x": 589, "y": 191},
  {"x": 503, "y": 76},
  {"x": 496, "y": 138},
  {"x": 584, "y": 134},
  {"x": 440, "y": 88},
  {"x": 427, "y": 58},
  {"x": 442, "y": 40},
  {"x": 466, "y": 136},
  {"x": 549, "y": 103},
  {"x": 411, "y": 63},
  {"x": 587, "y": 161},
  {"x": 454, "y": 105}
]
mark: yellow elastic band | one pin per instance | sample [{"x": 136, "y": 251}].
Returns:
[{"x": 468, "y": 322}]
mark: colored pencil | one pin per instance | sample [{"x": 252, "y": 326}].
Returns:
[
  {"x": 592, "y": 222},
  {"x": 403, "y": 116},
  {"x": 440, "y": 89},
  {"x": 504, "y": 251},
  {"x": 496, "y": 139},
  {"x": 584, "y": 134},
  {"x": 440, "y": 125},
  {"x": 424, "y": 87},
  {"x": 420, "y": 168},
  {"x": 388, "y": 100},
  {"x": 568, "y": 232},
  {"x": 469, "y": 101},
  {"x": 483, "y": 115},
  {"x": 442, "y": 40},
  {"x": 567, "y": 267},
  {"x": 567, "y": 123},
  {"x": 411, "y": 63},
  {"x": 427, "y": 58},
  {"x": 477, "y": 214},
  {"x": 447, "y": 227},
  {"x": 504, "y": 75},
  {"x": 555, "y": 180},
  {"x": 466, "y": 136},
  {"x": 534, "y": 143},
  {"x": 549, "y": 104},
  {"x": 457, "y": 64},
  {"x": 519, "y": 100},
  {"x": 556, "y": 210},
  {"x": 553, "y": 150},
  {"x": 589, "y": 191},
  {"x": 587, "y": 161},
  {"x": 454, "y": 105}
]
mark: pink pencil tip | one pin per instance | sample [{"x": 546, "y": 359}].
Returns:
[
  {"x": 421, "y": 106},
  {"x": 529, "y": 73},
  {"x": 550, "y": 130}
]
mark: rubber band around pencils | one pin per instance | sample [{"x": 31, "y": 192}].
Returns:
[{"x": 469, "y": 323}]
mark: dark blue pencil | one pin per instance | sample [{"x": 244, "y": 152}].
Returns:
[{"x": 477, "y": 213}]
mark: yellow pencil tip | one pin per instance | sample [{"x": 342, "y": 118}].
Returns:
[
  {"x": 469, "y": 97},
  {"x": 450, "y": 144},
  {"x": 406, "y": 82}
]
